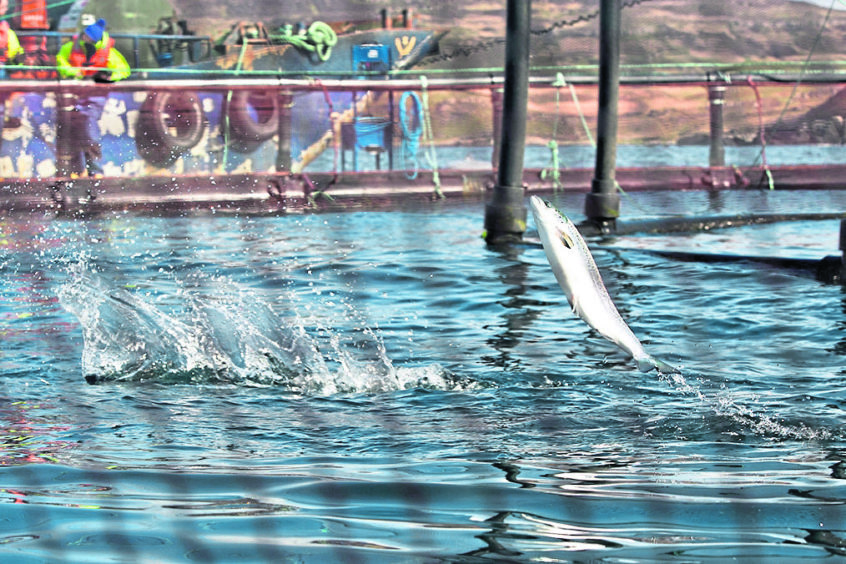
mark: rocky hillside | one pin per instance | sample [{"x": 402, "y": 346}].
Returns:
[
  {"x": 654, "y": 31},
  {"x": 659, "y": 36}
]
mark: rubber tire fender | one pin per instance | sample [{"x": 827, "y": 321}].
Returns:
[
  {"x": 253, "y": 118},
  {"x": 169, "y": 124}
]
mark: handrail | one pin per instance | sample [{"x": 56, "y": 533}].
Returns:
[
  {"x": 61, "y": 36},
  {"x": 345, "y": 85}
]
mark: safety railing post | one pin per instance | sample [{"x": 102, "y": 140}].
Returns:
[
  {"x": 716, "y": 100},
  {"x": 283, "y": 155}
]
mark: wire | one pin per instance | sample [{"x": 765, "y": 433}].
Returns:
[{"x": 466, "y": 51}]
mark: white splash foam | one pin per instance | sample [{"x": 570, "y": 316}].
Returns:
[{"x": 216, "y": 331}]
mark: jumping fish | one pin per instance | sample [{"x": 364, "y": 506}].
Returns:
[{"x": 578, "y": 276}]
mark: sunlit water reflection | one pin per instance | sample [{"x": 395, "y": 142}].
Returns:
[{"x": 381, "y": 386}]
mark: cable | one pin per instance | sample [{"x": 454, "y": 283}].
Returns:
[{"x": 490, "y": 43}]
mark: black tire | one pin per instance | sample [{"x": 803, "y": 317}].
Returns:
[
  {"x": 169, "y": 124},
  {"x": 253, "y": 118}
]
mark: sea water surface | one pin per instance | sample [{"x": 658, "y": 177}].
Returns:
[{"x": 382, "y": 386}]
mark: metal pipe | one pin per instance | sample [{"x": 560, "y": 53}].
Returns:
[
  {"x": 843, "y": 251},
  {"x": 283, "y": 154},
  {"x": 505, "y": 214},
  {"x": 602, "y": 204},
  {"x": 253, "y": 82},
  {"x": 716, "y": 100}
]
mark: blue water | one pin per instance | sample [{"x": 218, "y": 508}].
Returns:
[
  {"x": 419, "y": 157},
  {"x": 381, "y": 386}
]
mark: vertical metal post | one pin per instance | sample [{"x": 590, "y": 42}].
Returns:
[
  {"x": 283, "y": 154},
  {"x": 136, "y": 52},
  {"x": 602, "y": 204},
  {"x": 843, "y": 251},
  {"x": 68, "y": 149},
  {"x": 505, "y": 214},
  {"x": 716, "y": 99},
  {"x": 390, "y": 131}
]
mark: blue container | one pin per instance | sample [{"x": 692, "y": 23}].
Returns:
[
  {"x": 370, "y": 132},
  {"x": 372, "y": 57}
]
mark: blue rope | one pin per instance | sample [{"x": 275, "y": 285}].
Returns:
[{"x": 410, "y": 146}]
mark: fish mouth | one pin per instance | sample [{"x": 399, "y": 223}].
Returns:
[
  {"x": 541, "y": 208},
  {"x": 538, "y": 204}
]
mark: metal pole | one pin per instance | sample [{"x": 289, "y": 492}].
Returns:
[
  {"x": 602, "y": 204},
  {"x": 283, "y": 154},
  {"x": 843, "y": 251},
  {"x": 716, "y": 99},
  {"x": 68, "y": 149},
  {"x": 505, "y": 214}
]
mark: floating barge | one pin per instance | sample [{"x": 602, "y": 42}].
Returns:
[
  {"x": 274, "y": 173},
  {"x": 267, "y": 120}
]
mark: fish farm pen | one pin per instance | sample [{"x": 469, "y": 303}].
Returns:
[
  {"x": 270, "y": 325},
  {"x": 275, "y": 144}
]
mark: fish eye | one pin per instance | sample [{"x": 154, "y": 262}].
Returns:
[{"x": 568, "y": 242}]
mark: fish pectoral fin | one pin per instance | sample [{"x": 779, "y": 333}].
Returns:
[{"x": 574, "y": 305}]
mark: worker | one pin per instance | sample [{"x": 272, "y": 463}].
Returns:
[
  {"x": 92, "y": 55},
  {"x": 11, "y": 53}
]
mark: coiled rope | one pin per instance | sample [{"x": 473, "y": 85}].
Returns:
[
  {"x": 319, "y": 38},
  {"x": 411, "y": 135}
]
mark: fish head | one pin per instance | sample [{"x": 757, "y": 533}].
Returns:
[
  {"x": 563, "y": 246},
  {"x": 555, "y": 229}
]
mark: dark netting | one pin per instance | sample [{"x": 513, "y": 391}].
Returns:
[{"x": 248, "y": 314}]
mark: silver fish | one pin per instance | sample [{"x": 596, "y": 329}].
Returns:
[{"x": 578, "y": 276}]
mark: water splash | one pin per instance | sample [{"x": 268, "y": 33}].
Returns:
[
  {"x": 214, "y": 331},
  {"x": 728, "y": 404}
]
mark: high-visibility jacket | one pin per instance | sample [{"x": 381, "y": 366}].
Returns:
[
  {"x": 74, "y": 62},
  {"x": 10, "y": 46}
]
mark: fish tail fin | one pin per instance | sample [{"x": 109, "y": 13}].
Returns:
[{"x": 647, "y": 363}]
